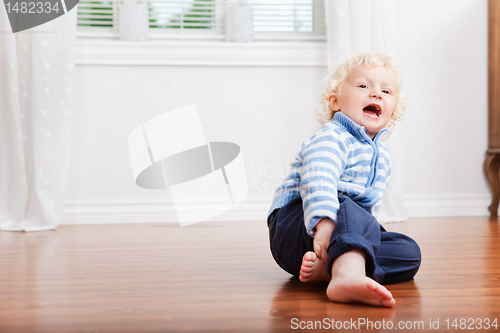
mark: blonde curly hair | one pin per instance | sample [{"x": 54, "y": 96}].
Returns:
[{"x": 334, "y": 81}]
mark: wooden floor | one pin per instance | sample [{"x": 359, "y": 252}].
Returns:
[{"x": 220, "y": 277}]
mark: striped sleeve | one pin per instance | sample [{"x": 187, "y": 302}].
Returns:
[
  {"x": 385, "y": 166},
  {"x": 324, "y": 159}
]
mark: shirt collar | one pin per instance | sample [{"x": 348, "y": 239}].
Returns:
[{"x": 355, "y": 129}]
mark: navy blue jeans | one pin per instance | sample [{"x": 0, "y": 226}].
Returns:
[{"x": 390, "y": 257}]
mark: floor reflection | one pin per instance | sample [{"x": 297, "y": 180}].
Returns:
[
  {"x": 492, "y": 249},
  {"x": 298, "y": 305},
  {"x": 29, "y": 273}
]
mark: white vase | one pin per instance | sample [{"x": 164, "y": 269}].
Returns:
[
  {"x": 239, "y": 24},
  {"x": 134, "y": 22}
]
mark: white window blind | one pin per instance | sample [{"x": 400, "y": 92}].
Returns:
[{"x": 205, "y": 19}]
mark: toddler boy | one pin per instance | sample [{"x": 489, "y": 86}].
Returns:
[{"x": 321, "y": 225}]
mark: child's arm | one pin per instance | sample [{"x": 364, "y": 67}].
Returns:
[
  {"x": 388, "y": 164},
  {"x": 324, "y": 158}
]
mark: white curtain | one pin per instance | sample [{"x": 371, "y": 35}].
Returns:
[
  {"x": 36, "y": 95},
  {"x": 368, "y": 25}
]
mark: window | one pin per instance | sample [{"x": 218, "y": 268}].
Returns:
[{"x": 205, "y": 19}]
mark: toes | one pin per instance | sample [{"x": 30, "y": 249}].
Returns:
[
  {"x": 306, "y": 269},
  {"x": 388, "y": 294},
  {"x": 389, "y": 303},
  {"x": 307, "y": 263},
  {"x": 387, "y": 298},
  {"x": 384, "y": 292},
  {"x": 304, "y": 277},
  {"x": 309, "y": 256},
  {"x": 305, "y": 274},
  {"x": 309, "y": 259}
]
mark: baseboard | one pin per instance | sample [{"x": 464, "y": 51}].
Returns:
[
  {"x": 254, "y": 210},
  {"x": 448, "y": 205},
  {"x": 154, "y": 211}
]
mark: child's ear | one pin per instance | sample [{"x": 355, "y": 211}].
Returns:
[{"x": 333, "y": 102}]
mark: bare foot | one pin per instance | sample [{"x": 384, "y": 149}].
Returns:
[
  {"x": 350, "y": 284},
  {"x": 347, "y": 289},
  {"x": 313, "y": 269}
]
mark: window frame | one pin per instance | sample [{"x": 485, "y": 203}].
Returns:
[
  {"x": 218, "y": 33},
  {"x": 196, "y": 53},
  {"x": 97, "y": 46}
]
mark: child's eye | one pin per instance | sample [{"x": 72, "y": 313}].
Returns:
[
  {"x": 386, "y": 91},
  {"x": 362, "y": 86}
]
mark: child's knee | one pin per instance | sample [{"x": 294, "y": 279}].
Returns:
[
  {"x": 413, "y": 259},
  {"x": 399, "y": 257},
  {"x": 413, "y": 252}
]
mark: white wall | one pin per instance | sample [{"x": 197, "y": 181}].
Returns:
[
  {"x": 444, "y": 47},
  {"x": 266, "y": 111},
  {"x": 269, "y": 111}
]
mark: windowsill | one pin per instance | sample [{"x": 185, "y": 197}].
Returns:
[{"x": 92, "y": 51}]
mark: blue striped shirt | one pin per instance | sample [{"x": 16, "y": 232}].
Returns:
[{"x": 341, "y": 158}]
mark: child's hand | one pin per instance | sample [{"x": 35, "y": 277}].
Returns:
[
  {"x": 324, "y": 230},
  {"x": 320, "y": 251}
]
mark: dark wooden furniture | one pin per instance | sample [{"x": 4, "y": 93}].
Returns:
[{"x": 492, "y": 161}]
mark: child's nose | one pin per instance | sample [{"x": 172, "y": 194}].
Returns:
[{"x": 376, "y": 94}]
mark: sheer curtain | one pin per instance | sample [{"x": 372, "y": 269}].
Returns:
[
  {"x": 368, "y": 25},
  {"x": 36, "y": 95}
]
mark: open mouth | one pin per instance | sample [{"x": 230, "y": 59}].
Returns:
[{"x": 372, "y": 111}]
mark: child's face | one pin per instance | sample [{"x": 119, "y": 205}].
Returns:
[{"x": 368, "y": 97}]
